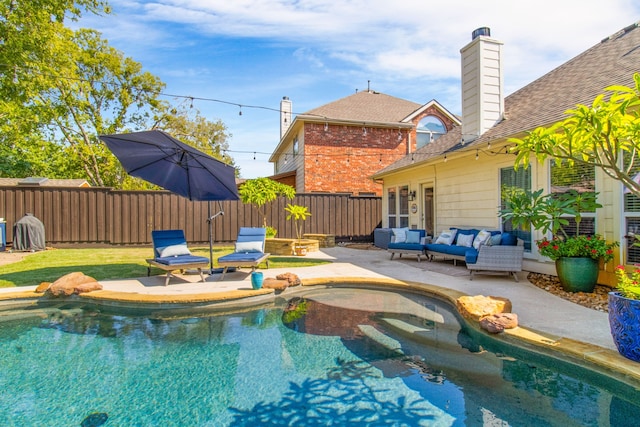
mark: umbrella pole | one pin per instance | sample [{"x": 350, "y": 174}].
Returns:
[{"x": 210, "y": 219}]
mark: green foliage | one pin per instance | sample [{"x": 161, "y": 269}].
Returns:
[
  {"x": 298, "y": 214},
  {"x": 61, "y": 88},
  {"x": 605, "y": 135},
  {"x": 545, "y": 212},
  {"x": 260, "y": 191},
  {"x": 628, "y": 285},
  {"x": 271, "y": 232},
  {"x": 578, "y": 246}
]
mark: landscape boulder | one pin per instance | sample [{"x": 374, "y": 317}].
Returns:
[
  {"x": 275, "y": 284},
  {"x": 479, "y": 306},
  {"x": 73, "y": 283},
  {"x": 293, "y": 279},
  {"x": 42, "y": 287},
  {"x": 497, "y": 323}
]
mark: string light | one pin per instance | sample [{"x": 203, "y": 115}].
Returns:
[
  {"x": 254, "y": 155},
  {"x": 16, "y": 69},
  {"x": 326, "y": 126}
]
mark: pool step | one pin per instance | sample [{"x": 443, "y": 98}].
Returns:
[{"x": 382, "y": 339}]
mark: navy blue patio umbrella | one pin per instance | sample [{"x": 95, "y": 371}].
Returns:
[{"x": 161, "y": 159}]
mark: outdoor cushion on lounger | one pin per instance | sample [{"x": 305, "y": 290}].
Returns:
[
  {"x": 171, "y": 253},
  {"x": 249, "y": 250}
]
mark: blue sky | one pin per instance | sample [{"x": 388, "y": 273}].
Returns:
[{"x": 254, "y": 52}]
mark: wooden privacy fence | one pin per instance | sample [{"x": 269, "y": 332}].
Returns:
[{"x": 98, "y": 215}]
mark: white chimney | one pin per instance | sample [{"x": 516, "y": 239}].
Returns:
[
  {"x": 482, "y": 84},
  {"x": 285, "y": 115}
]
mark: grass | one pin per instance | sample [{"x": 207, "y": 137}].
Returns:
[{"x": 108, "y": 264}]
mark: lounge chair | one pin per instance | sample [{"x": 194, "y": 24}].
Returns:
[
  {"x": 249, "y": 250},
  {"x": 171, "y": 254}
]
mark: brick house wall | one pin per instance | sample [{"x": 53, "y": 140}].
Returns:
[{"x": 342, "y": 158}]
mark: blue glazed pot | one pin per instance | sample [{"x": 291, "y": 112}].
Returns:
[
  {"x": 624, "y": 320},
  {"x": 256, "y": 279}
]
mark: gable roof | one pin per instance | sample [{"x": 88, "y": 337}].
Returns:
[
  {"x": 544, "y": 101},
  {"x": 366, "y": 106}
]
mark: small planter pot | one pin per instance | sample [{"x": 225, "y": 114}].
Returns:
[
  {"x": 300, "y": 250},
  {"x": 256, "y": 279},
  {"x": 577, "y": 274},
  {"x": 624, "y": 321}
]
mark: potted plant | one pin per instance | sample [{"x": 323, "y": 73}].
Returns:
[
  {"x": 298, "y": 214},
  {"x": 624, "y": 313},
  {"x": 577, "y": 257}
]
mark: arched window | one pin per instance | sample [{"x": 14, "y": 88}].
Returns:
[{"x": 429, "y": 129}]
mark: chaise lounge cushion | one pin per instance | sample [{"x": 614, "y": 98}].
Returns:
[
  {"x": 181, "y": 259},
  {"x": 242, "y": 257}
]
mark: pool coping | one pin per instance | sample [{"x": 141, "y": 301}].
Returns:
[{"x": 608, "y": 362}]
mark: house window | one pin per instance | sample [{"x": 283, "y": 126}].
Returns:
[
  {"x": 511, "y": 181},
  {"x": 391, "y": 200},
  {"x": 428, "y": 130},
  {"x": 631, "y": 217},
  {"x": 581, "y": 178},
  {"x": 398, "y": 206}
]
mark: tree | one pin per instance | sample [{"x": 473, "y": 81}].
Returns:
[
  {"x": 605, "y": 135},
  {"x": 104, "y": 93},
  {"x": 259, "y": 191},
  {"x": 29, "y": 33}
]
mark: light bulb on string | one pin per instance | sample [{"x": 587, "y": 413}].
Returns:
[{"x": 477, "y": 155}]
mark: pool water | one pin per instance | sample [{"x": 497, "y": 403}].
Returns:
[{"x": 333, "y": 357}]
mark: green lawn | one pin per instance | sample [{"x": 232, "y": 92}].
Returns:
[{"x": 108, "y": 263}]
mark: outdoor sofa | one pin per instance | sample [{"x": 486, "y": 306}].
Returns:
[{"x": 484, "y": 251}]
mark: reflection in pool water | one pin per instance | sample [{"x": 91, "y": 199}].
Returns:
[{"x": 335, "y": 357}]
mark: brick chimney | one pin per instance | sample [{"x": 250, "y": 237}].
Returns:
[
  {"x": 285, "y": 115},
  {"x": 482, "y": 84}
]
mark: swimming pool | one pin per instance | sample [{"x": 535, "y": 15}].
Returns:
[{"x": 333, "y": 356}]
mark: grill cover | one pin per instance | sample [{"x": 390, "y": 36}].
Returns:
[{"x": 28, "y": 234}]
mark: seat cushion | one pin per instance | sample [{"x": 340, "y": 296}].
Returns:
[
  {"x": 471, "y": 256},
  {"x": 181, "y": 259},
  {"x": 242, "y": 257},
  {"x": 448, "y": 249},
  {"x": 406, "y": 246}
]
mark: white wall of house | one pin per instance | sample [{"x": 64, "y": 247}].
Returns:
[{"x": 467, "y": 194}]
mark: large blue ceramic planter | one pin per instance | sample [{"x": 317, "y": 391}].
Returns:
[{"x": 624, "y": 320}]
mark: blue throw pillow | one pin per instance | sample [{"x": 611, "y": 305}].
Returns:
[
  {"x": 413, "y": 237},
  {"x": 509, "y": 239}
]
